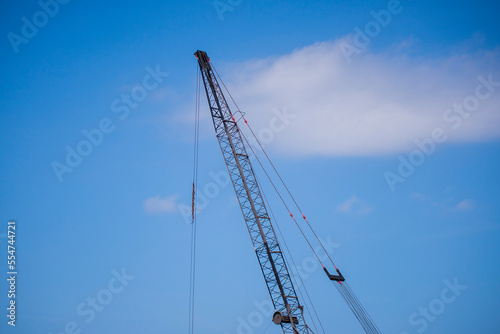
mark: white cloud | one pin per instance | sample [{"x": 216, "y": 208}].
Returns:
[
  {"x": 377, "y": 104},
  {"x": 161, "y": 205},
  {"x": 464, "y": 205},
  {"x": 354, "y": 206}
]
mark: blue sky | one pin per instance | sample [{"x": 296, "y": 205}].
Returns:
[{"x": 369, "y": 133}]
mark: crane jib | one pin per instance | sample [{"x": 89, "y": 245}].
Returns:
[{"x": 289, "y": 311}]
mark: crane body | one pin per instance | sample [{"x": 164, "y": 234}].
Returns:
[{"x": 289, "y": 313}]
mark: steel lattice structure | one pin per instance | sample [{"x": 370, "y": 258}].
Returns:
[{"x": 289, "y": 312}]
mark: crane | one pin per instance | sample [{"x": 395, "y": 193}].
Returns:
[{"x": 289, "y": 313}]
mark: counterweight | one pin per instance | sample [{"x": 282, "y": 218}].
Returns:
[{"x": 289, "y": 312}]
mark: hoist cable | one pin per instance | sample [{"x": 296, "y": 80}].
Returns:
[
  {"x": 363, "y": 310},
  {"x": 192, "y": 268},
  {"x": 357, "y": 308}
]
